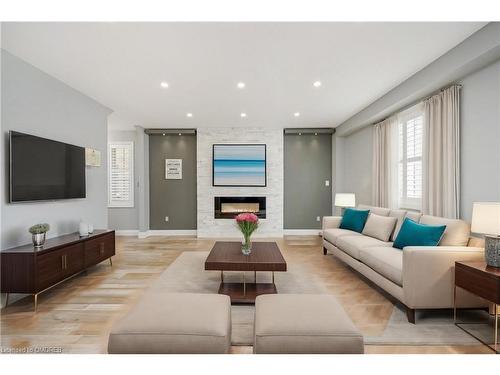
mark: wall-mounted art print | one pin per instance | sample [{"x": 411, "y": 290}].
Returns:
[
  {"x": 239, "y": 165},
  {"x": 173, "y": 169},
  {"x": 92, "y": 157}
]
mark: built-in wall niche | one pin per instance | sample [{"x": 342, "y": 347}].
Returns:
[{"x": 229, "y": 207}]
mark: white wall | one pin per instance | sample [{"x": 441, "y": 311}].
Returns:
[
  {"x": 273, "y": 224},
  {"x": 480, "y": 138},
  {"x": 36, "y": 103}
]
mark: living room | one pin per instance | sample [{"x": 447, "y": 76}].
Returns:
[{"x": 250, "y": 188}]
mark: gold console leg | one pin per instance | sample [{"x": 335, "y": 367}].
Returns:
[
  {"x": 455, "y": 304},
  {"x": 496, "y": 327},
  {"x": 6, "y": 299},
  {"x": 35, "y": 300},
  {"x": 110, "y": 262}
]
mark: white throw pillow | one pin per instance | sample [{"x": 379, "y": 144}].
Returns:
[{"x": 379, "y": 227}]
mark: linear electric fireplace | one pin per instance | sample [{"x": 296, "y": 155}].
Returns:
[{"x": 229, "y": 207}]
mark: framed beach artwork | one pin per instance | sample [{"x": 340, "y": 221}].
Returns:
[{"x": 239, "y": 165}]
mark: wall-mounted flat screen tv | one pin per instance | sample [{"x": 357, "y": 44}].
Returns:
[
  {"x": 43, "y": 169},
  {"x": 239, "y": 165}
]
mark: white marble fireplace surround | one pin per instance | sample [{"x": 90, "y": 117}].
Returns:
[{"x": 272, "y": 225}]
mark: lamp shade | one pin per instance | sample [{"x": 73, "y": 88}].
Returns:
[
  {"x": 345, "y": 200},
  {"x": 486, "y": 218}
]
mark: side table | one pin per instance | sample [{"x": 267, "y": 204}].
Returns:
[{"x": 483, "y": 281}]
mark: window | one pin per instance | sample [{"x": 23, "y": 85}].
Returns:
[
  {"x": 410, "y": 158},
  {"x": 121, "y": 174}
]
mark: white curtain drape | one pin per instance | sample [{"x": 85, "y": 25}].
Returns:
[
  {"x": 441, "y": 154},
  {"x": 384, "y": 168}
]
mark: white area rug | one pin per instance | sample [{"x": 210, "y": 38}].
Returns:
[
  {"x": 434, "y": 327},
  {"x": 187, "y": 275}
]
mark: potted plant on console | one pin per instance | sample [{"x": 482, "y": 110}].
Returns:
[
  {"x": 38, "y": 232},
  {"x": 248, "y": 223}
]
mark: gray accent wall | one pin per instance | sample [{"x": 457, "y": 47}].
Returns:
[
  {"x": 34, "y": 102},
  {"x": 125, "y": 218},
  {"x": 176, "y": 199},
  {"x": 307, "y": 164}
]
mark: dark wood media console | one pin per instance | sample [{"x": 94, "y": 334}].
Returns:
[{"x": 31, "y": 271}]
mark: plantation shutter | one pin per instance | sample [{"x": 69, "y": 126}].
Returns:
[
  {"x": 121, "y": 174},
  {"x": 410, "y": 162}
]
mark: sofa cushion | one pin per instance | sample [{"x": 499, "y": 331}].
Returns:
[
  {"x": 413, "y": 215},
  {"x": 354, "y": 219},
  {"x": 415, "y": 234},
  {"x": 353, "y": 244},
  {"x": 457, "y": 231},
  {"x": 382, "y": 211},
  {"x": 331, "y": 235},
  {"x": 379, "y": 227},
  {"x": 385, "y": 260},
  {"x": 400, "y": 216}
]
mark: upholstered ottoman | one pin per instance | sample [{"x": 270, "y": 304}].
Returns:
[
  {"x": 174, "y": 323},
  {"x": 303, "y": 323}
]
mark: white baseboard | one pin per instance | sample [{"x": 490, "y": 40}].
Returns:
[
  {"x": 128, "y": 232},
  {"x": 239, "y": 236},
  {"x": 302, "y": 232},
  {"x": 193, "y": 232},
  {"x": 166, "y": 232}
]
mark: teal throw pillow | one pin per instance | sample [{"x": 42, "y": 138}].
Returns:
[
  {"x": 354, "y": 219},
  {"x": 415, "y": 234}
]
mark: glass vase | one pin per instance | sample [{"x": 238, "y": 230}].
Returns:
[{"x": 246, "y": 246}]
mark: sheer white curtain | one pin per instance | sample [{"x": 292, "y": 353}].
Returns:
[
  {"x": 441, "y": 154},
  {"x": 385, "y": 163}
]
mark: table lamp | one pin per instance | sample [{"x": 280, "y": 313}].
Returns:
[
  {"x": 344, "y": 200},
  {"x": 486, "y": 220}
]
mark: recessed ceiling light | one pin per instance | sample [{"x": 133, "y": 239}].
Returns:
[
  {"x": 317, "y": 84},
  {"x": 241, "y": 85},
  {"x": 180, "y": 133},
  {"x": 243, "y": 114},
  {"x": 296, "y": 114},
  {"x": 189, "y": 114},
  {"x": 163, "y": 134},
  {"x": 164, "y": 85},
  {"x": 315, "y": 133},
  {"x": 300, "y": 133}
]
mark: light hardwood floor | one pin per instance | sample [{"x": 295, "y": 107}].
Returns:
[{"x": 77, "y": 315}]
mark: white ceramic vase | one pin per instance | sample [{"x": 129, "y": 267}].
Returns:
[{"x": 84, "y": 229}]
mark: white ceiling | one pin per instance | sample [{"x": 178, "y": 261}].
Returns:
[{"x": 121, "y": 65}]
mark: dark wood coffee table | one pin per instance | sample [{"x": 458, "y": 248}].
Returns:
[{"x": 227, "y": 256}]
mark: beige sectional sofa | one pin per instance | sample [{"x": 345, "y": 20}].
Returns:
[{"x": 421, "y": 277}]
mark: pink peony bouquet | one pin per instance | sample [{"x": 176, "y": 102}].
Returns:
[{"x": 248, "y": 223}]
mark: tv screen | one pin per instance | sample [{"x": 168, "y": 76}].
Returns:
[
  {"x": 239, "y": 165},
  {"x": 43, "y": 169}
]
